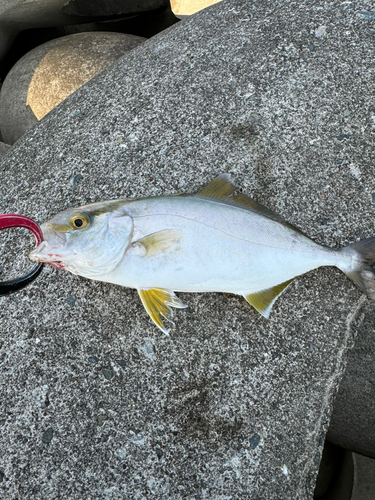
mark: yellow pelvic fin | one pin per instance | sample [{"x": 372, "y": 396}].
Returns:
[
  {"x": 263, "y": 301},
  {"x": 158, "y": 302},
  {"x": 160, "y": 242},
  {"x": 219, "y": 188}
]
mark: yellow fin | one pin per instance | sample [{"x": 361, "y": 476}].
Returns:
[
  {"x": 222, "y": 189},
  {"x": 245, "y": 201},
  {"x": 219, "y": 188},
  {"x": 158, "y": 301},
  {"x": 159, "y": 242},
  {"x": 263, "y": 301}
]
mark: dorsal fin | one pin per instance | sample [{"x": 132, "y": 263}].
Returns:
[
  {"x": 245, "y": 201},
  {"x": 222, "y": 189},
  {"x": 263, "y": 301}
]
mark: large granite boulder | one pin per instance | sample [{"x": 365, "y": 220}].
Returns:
[
  {"x": 100, "y": 404},
  {"x": 48, "y": 74}
]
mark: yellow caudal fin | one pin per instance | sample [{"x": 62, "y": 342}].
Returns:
[
  {"x": 263, "y": 301},
  {"x": 158, "y": 302}
]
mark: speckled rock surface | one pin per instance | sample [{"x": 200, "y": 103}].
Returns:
[
  {"x": 4, "y": 148},
  {"x": 99, "y": 404},
  {"x": 352, "y": 424},
  {"x": 46, "y": 75}
]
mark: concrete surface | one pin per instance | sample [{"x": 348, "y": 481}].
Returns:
[
  {"x": 46, "y": 75},
  {"x": 97, "y": 403}
]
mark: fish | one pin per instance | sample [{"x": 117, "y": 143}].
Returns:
[{"x": 217, "y": 240}]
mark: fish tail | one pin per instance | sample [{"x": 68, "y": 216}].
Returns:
[{"x": 362, "y": 269}]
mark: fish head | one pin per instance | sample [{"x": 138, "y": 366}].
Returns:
[{"x": 89, "y": 241}]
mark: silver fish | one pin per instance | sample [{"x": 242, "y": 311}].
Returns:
[{"x": 214, "y": 241}]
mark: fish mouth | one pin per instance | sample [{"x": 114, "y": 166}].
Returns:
[
  {"x": 45, "y": 253},
  {"x": 49, "y": 251}
]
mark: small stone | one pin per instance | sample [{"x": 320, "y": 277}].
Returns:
[
  {"x": 346, "y": 112},
  {"x": 367, "y": 15},
  {"x": 75, "y": 179},
  {"x": 40, "y": 395},
  {"x": 108, "y": 373},
  {"x": 137, "y": 439},
  {"x": 159, "y": 453},
  {"x": 341, "y": 137},
  {"x": 373, "y": 197},
  {"x": 121, "y": 363},
  {"x": 255, "y": 118},
  {"x": 311, "y": 48},
  {"x": 47, "y": 435},
  {"x": 71, "y": 300},
  {"x": 93, "y": 359},
  {"x": 2, "y": 475},
  {"x": 254, "y": 441},
  {"x": 121, "y": 453},
  {"x": 321, "y": 31},
  {"x": 101, "y": 419},
  {"x": 148, "y": 349}
]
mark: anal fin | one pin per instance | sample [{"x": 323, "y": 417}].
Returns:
[
  {"x": 263, "y": 301},
  {"x": 158, "y": 302}
]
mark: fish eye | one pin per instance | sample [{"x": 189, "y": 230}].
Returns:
[{"x": 79, "y": 221}]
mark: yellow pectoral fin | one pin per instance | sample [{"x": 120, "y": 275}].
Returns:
[
  {"x": 158, "y": 302},
  {"x": 263, "y": 301},
  {"x": 160, "y": 242}
]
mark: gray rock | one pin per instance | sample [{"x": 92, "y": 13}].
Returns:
[
  {"x": 352, "y": 423},
  {"x": 45, "y": 76},
  {"x": 18, "y": 15},
  {"x": 335, "y": 477},
  {"x": 4, "y": 148},
  {"x": 91, "y": 8},
  {"x": 167, "y": 118},
  {"x": 364, "y": 478}
]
